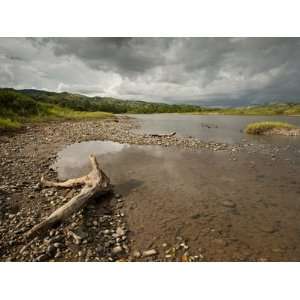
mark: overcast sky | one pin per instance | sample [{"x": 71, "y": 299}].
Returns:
[{"x": 201, "y": 70}]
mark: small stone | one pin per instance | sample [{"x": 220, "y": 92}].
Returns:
[
  {"x": 184, "y": 246},
  {"x": 37, "y": 187},
  {"x": 120, "y": 232},
  {"x": 51, "y": 250},
  {"x": 117, "y": 250},
  {"x": 58, "y": 254},
  {"x": 136, "y": 254},
  {"x": 95, "y": 223},
  {"x": 150, "y": 252},
  {"x": 228, "y": 203},
  {"x": 117, "y": 196},
  {"x": 23, "y": 249},
  {"x": 108, "y": 244},
  {"x": 77, "y": 239},
  {"x": 43, "y": 257},
  {"x": 58, "y": 245},
  {"x": 99, "y": 249},
  {"x": 58, "y": 238},
  {"x": 164, "y": 245}
]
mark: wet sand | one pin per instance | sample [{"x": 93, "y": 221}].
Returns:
[{"x": 224, "y": 205}]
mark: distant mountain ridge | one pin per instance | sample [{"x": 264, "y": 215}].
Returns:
[{"x": 106, "y": 104}]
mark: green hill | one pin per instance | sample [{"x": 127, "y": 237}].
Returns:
[
  {"x": 29, "y": 105},
  {"x": 18, "y": 107},
  {"x": 107, "y": 104}
]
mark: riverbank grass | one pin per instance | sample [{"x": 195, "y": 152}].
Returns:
[
  {"x": 53, "y": 114},
  {"x": 17, "y": 109},
  {"x": 9, "y": 124},
  {"x": 265, "y": 127}
]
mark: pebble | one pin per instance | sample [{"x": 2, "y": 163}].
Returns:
[
  {"x": 117, "y": 196},
  {"x": 228, "y": 203},
  {"x": 150, "y": 252},
  {"x": 58, "y": 238},
  {"x": 117, "y": 250},
  {"x": 120, "y": 232},
  {"x": 58, "y": 245},
  {"x": 58, "y": 254},
  {"x": 51, "y": 250},
  {"x": 99, "y": 249},
  {"x": 37, "y": 187},
  {"x": 184, "y": 246},
  {"x": 136, "y": 254},
  {"x": 43, "y": 257}
]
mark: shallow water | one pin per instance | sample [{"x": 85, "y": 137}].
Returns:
[
  {"x": 170, "y": 193},
  {"x": 222, "y": 129}
]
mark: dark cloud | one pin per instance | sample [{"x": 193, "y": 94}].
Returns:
[
  {"x": 192, "y": 70},
  {"x": 124, "y": 55}
]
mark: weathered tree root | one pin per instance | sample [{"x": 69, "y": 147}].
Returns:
[{"x": 94, "y": 184}]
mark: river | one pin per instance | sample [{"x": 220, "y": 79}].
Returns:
[{"x": 214, "y": 128}]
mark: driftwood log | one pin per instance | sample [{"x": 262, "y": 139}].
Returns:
[
  {"x": 162, "y": 135},
  {"x": 94, "y": 184}
]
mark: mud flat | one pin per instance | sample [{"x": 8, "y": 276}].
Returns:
[{"x": 175, "y": 199}]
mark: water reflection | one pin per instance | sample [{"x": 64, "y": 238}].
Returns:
[
  {"x": 74, "y": 159},
  {"x": 169, "y": 193}
]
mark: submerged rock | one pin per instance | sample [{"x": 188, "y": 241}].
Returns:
[{"x": 229, "y": 203}]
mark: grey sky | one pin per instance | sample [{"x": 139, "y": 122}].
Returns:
[{"x": 202, "y": 70}]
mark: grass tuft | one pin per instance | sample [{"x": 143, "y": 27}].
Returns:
[
  {"x": 9, "y": 124},
  {"x": 263, "y": 127}
]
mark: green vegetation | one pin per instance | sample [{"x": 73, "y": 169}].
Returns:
[
  {"x": 258, "y": 110},
  {"x": 17, "y": 108},
  {"x": 262, "y": 127},
  {"x": 7, "y": 123},
  {"x": 106, "y": 104}
]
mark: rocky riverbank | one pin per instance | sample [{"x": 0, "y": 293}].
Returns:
[{"x": 97, "y": 233}]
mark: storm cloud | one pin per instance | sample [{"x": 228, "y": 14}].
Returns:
[{"x": 217, "y": 71}]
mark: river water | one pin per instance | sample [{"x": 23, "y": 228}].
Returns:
[
  {"x": 215, "y": 128},
  {"x": 170, "y": 193}
]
